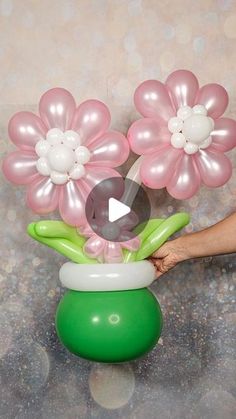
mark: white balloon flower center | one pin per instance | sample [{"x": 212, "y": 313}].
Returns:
[
  {"x": 61, "y": 156},
  {"x": 191, "y": 129}
]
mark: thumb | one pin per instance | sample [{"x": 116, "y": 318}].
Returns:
[{"x": 161, "y": 252}]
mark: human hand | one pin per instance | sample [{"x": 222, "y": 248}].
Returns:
[{"x": 168, "y": 256}]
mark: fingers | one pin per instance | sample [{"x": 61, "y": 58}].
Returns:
[
  {"x": 160, "y": 267},
  {"x": 163, "y": 263}
]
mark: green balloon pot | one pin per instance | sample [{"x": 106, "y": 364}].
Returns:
[{"x": 108, "y": 326}]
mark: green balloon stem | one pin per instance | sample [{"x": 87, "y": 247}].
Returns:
[
  {"x": 128, "y": 256},
  {"x": 168, "y": 227}
]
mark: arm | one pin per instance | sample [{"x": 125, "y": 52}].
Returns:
[{"x": 215, "y": 240}]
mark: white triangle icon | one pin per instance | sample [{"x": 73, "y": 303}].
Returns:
[{"x": 116, "y": 210}]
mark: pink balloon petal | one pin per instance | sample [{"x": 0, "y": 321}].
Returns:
[
  {"x": 86, "y": 230},
  {"x": 26, "y": 129},
  {"x": 183, "y": 87},
  {"x": 224, "y": 134},
  {"x": 186, "y": 180},
  {"x": 96, "y": 174},
  {"x": 214, "y": 97},
  {"x": 113, "y": 253},
  {"x": 57, "y": 107},
  {"x": 214, "y": 167},
  {"x": 94, "y": 246},
  {"x": 91, "y": 120},
  {"x": 72, "y": 203},
  {"x": 111, "y": 150},
  {"x": 152, "y": 100},
  {"x": 157, "y": 169},
  {"x": 146, "y": 135},
  {"x": 19, "y": 167},
  {"x": 43, "y": 195},
  {"x": 132, "y": 245}
]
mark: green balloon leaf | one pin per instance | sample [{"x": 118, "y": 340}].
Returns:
[
  {"x": 143, "y": 231},
  {"x": 159, "y": 236},
  {"x": 63, "y": 246},
  {"x": 59, "y": 229}
]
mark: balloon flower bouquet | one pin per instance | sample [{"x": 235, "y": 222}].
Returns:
[{"x": 108, "y": 314}]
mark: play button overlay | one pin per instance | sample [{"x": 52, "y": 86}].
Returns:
[
  {"x": 116, "y": 210},
  {"x": 116, "y": 207}
]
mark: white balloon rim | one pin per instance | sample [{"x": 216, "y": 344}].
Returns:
[{"x": 107, "y": 276}]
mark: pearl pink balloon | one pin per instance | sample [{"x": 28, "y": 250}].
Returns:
[
  {"x": 186, "y": 180},
  {"x": 20, "y": 167},
  {"x": 214, "y": 167},
  {"x": 92, "y": 119},
  {"x": 224, "y": 134},
  {"x": 132, "y": 244},
  {"x": 94, "y": 246},
  {"x": 94, "y": 175},
  {"x": 214, "y": 97},
  {"x": 146, "y": 135},
  {"x": 57, "y": 107},
  {"x": 157, "y": 169},
  {"x": 113, "y": 253},
  {"x": 152, "y": 100},
  {"x": 183, "y": 87},
  {"x": 72, "y": 203},
  {"x": 43, "y": 195},
  {"x": 26, "y": 129},
  {"x": 111, "y": 149}
]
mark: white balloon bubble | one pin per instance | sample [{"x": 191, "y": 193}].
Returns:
[
  {"x": 184, "y": 112},
  {"x": 191, "y": 148},
  {"x": 200, "y": 110},
  {"x": 212, "y": 122},
  {"x": 82, "y": 154},
  {"x": 175, "y": 124},
  {"x": 178, "y": 140},
  {"x": 206, "y": 143},
  {"x": 197, "y": 128},
  {"x": 42, "y": 147},
  {"x": 77, "y": 172},
  {"x": 61, "y": 158},
  {"x": 54, "y": 136},
  {"x": 58, "y": 178},
  {"x": 43, "y": 166},
  {"x": 71, "y": 139}
]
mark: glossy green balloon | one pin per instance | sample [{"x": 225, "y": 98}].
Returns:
[
  {"x": 170, "y": 226},
  {"x": 58, "y": 229},
  {"x": 64, "y": 246},
  {"x": 149, "y": 227},
  {"x": 109, "y": 326},
  {"x": 143, "y": 231}
]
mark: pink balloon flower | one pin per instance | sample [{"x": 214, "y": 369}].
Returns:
[
  {"x": 107, "y": 251},
  {"x": 106, "y": 239},
  {"x": 63, "y": 153},
  {"x": 183, "y": 136}
]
